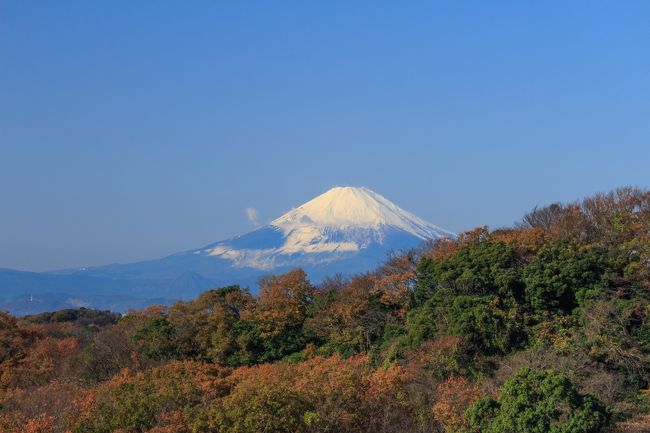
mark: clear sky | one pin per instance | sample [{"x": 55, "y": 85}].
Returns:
[{"x": 131, "y": 130}]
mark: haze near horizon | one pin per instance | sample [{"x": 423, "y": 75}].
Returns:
[{"x": 132, "y": 131}]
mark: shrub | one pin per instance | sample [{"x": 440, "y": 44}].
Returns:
[
  {"x": 538, "y": 402},
  {"x": 563, "y": 276}
]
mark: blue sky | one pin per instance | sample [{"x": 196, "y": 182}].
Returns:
[{"x": 130, "y": 130}]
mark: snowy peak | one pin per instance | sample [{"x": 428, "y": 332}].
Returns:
[
  {"x": 344, "y": 208},
  {"x": 338, "y": 225},
  {"x": 343, "y": 231}
]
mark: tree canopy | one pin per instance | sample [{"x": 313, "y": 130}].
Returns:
[{"x": 541, "y": 327}]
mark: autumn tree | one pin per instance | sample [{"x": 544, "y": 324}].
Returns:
[
  {"x": 211, "y": 327},
  {"x": 262, "y": 399},
  {"x": 395, "y": 281},
  {"x": 109, "y": 351},
  {"x": 178, "y": 394},
  {"x": 429, "y": 342},
  {"x": 453, "y": 397},
  {"x": 280, "y": 312},
  {"x": 355, "y": 317},
  {"x": 8, "y": 335}
]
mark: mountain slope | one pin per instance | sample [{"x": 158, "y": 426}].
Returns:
[
  {"x": 345, "y": 230},
  {"x": 337, "y": 224}
]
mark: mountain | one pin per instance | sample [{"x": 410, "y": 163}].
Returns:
[
  {"x": 345, "y": 230},
  {"x": 340, "y": 224}
]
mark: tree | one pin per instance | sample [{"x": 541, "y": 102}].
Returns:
[
  {"x": 543, "y": 218},
  {"x": 480, "y": 267},
  {"x": 262, "y": 400},
  {"x": 354, "y": 319},
  {"x": 175, "y": 395},
  {"x": 479, "y": 321},
  {"x": 562, "y": 276},
  {"x": 395, "y": 280},
  {"x": 453, "y": 398},
  {"x": 538, "y": 402},
  {"x": 8, "y": 336},
  {"x": 107, "y": 352},
  {"x": 211, "y": 328},
  {"x": 474, "y": 293},
  {"x": 156, "y": 339},
  {"x": 280, "y": 313}
]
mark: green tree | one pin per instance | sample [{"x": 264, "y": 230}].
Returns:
[
  {"x": 263, "y": 400},
  {"x": 474, "y": 293},
  {"x": 484, "y": 267},
  {"x": 479, "y": 321},
  {"x": 156, "y": 339},
  {"x": 168, "y": 397},
  {"x": 211, "y": 328},
  {"x": 563, "y": 276},
  {"x": 538, "y": 402}
]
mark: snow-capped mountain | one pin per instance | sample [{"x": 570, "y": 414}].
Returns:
[
  {"x": 338, "y": 224},
  {"x": 345, "y": 230}
]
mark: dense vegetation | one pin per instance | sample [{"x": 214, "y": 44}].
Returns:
[{"x": 544, "y": 327}]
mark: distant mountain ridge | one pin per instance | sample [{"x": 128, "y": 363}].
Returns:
[{"x": 344, "y": 230}]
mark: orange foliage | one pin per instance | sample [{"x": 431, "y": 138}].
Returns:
[
  {"x": 174, "y": 385},
  {"x": 350, "y": 319},
  {"x": 331, "y": 394},
  {"x": 48, "y": 357},
  {"x": 41, "y": 424},
  {"x": 43, "y": 409},
  {"x": 441, "y": 249},
  {"x": 45, "y": 389},
  {"x": 282, "y": 303},
  {"x": 332, "y": 386},
  {"x": 385, "y": 390},
  {"x": 445, "y": 248},
  {"x": 454, "y": 397},
  {"x": 525, "y": 242},
  {"x": 394, "y": 281},
  {"x": 353, "y": 299},
  {"x": 261, "y": 399}
]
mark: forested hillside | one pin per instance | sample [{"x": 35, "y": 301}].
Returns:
[{"x": 542, "y": 327}]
